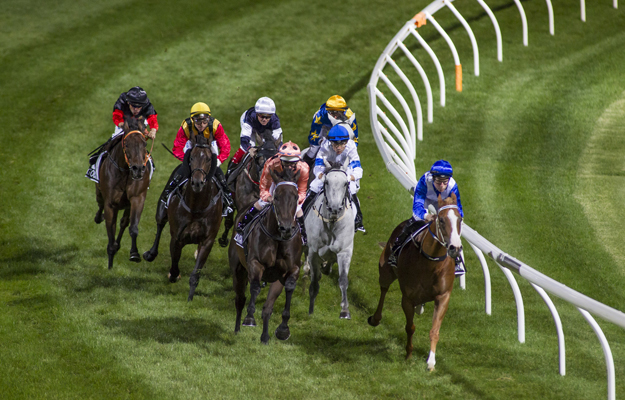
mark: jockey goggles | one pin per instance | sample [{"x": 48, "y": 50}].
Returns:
[{"x": 201, "y": 118}]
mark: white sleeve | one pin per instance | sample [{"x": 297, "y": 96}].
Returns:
[
  {"x": 187, "y": 146},
  {"x": 354, "y": 162},
  {"x": 322, "y": 154}
]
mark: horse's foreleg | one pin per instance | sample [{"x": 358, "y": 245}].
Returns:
[
  {"x": 239, "y": 282},
  {"x": 110, "y": 215},
  {"x": 228, "y": 223},
  {"x": 123, "y": 224},
  {"x": 100, "y": 200},
  {"x": 136, "y": 208},
  {"x": 441, "y": 303},
  {"x": 175, "y": 250},
  {"x": 408, "y": 308},
  {"x": 314, "y": 262},
  {"x": 283, "y": 332},
  {"x": 274, "y": 291},
  {"x": 251, "y": 307},
  {"x": 202, "y": 255},
  {"x": 387, "y": 277},
  {"x": 344, "y": 259},
  {"x": 161, "y": 221}
]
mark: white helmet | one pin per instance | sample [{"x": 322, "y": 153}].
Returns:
[{"x": 265, "y": 105}]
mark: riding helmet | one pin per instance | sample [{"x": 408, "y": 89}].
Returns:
[
  {"x": 338, "y": 132},
  {"x": 265, "y": 105},
  {"x": 336, "y": 103},
  {"x": 289, "y": 152},
  {"x": 442, "y": 168},
  {"x": 199, "y": 109},
  {"x": 137, "y": 95}
]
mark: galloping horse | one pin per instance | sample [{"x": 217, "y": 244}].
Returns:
[
  {"x": 425, "y": 269},
  {"x": 274, "y": 254},
  {"x": 330, "y": 226},
  {"x": 116, "y": 191},
  {"x": 246, "y": 180},
  {"x": 195, "y": 214}
]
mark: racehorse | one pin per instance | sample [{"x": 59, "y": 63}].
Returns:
[
  {"x": 123, "y": 185},
  {"x": 425, "y": 270},
  {"x": 246, "y": 180},
  {"x": 330, "y": 227},
  {"x": 195, "y": 214},
  {"x": 274, "y": 252}
]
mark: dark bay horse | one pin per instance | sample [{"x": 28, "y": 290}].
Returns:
[
  {"x": 425, "y": 270},
  {"x": 246, "y": 180},
  {"x": 195, "y": 215},
  {"x": 124, "y": 181},
  {"x": 274, "y": 254}
]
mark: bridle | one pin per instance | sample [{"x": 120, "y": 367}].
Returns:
[
  {"x": 205, "y": 173},
  {"x": 147, "y": 155},
  {"x": 438, "y": 236},
  {"x": 273, "y": 208},
  {"x": 325, "y": 198}
]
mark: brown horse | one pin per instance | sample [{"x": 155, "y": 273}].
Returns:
[
  {"x": 425, "y": 269},
  {"x": 195, "y": 215},
  {"x": 246, "y": 182},
  {"x": 273, "y": 255},
  {"x": 124, "y": 181}
]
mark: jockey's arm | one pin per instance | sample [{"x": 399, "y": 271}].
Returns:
[
  {"x": 246, "y": 135},
  {"x": 354, "y": 168},
  {"x": 418, "y": 205},
  {"x": 457, "y": 193},
  {"x": 302, "y": 183},
  {"x": 223, "y": 143},
  {"x": 179, "y": 144},
  {"x": 314, "y": 136}
]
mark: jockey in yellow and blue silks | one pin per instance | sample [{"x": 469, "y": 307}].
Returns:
[
  {"x": 437, "y": 181},
  {"x": 330, "y": 113},
  {"x": 337, "y": 149}
]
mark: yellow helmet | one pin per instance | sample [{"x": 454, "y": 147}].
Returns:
[
  {"x": 200, "y": 108},
  {"x": 336, "y": 103}
]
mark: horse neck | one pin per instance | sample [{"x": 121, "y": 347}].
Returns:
[
  {"x": 430, "y": 245},
  {"x": 116, "y": 153}
]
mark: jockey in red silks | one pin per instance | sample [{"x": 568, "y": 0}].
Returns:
[
  {"x": 202, "y": 122},
  {"x": 134, "y": 102},
  {"x": 437, "y": 181},
  {"x": 257, "y": 119},
  {"x": 289, "y": 156}
]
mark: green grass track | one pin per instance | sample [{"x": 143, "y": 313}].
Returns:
[{"x": 537, "y": 143}]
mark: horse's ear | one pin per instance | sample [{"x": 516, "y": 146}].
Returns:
[
  {"x": 454, "y": 198},
  {"x": 345, "y": 164},
  {"x": 440, "y": 201},
  {"x": 274, "y": 176}
]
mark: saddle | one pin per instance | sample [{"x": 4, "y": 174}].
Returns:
[
  {"x": 412, "y": 238},
  {"x": 178, "y": 191}
]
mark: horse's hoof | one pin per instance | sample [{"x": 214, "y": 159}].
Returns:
[
  {"x": 371, "y": 322},
  {"x": 326, "y": 268},
  {"x": 282, "y": 334},
  {"x": 249, "y": 321},
  {"x": 223, "y": 242},
  {"x": 345, "y": 315},
  {"x": 135, "y": 257},
  {"x": 173, "y": 279},
  {"x": 420, "y": 309},
  {"x": 98, "y": 217},
  {"x": 431, "y": 368},
  {"x": 148, "y": 256}
]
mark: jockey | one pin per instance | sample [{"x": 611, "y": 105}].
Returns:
[
  {"x": 337, "y": 148},
  {"x": 256, "y": 119},
  {"x": 287, "y": 157},
  {"x": 134, "y": 102},
  {"x": 437, "y": 181},
  {"x": 330, "y": 113},
  {"x": 200, "y": 121}
]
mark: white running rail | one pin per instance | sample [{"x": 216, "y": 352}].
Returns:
[{"x": 397, "y": 141}]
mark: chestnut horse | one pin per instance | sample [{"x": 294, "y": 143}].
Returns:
[
  {"x": 124, "y": 181},
  {"x": 425, "y": 270},
  {"x": 246, "y": 180},
  {"x": 274, "y": 253},
  {"x": 195, "y": 215}
]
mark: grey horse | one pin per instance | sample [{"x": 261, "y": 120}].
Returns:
[{"x": 330, "y": 227}]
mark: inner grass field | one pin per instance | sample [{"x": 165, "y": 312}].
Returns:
[{"x": 536, "y": 142}]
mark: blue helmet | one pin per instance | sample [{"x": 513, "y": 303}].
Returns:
[
  {"x": 442, "y": 168},
  {"x": 338, "y": 132}
]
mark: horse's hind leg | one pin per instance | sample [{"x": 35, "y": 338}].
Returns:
[
  {"x": 98, "y": 197},
  {"x": 110, "y": 215},
  {"x": 408, "y": 308},
  {"x": 314, "y": 262},
  {"x": 202, "y": 255},
  {"x": 251, "y": 307},
  {"x": 440, "y": 308},
  {"x": 239, "y": 282},
  {"x": 344, "y": 259},
  {"x": 387, "y": 277},
  {"x": 283, "y": 332},
  {"x": 161, "y": 221}
]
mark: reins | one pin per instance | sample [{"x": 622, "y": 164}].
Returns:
[
  {"x": 325, "y": 201},
  {"x": 273, "y": 208},
  {"x": 438, "y": 236},
  {"x": 147, "y": 155}
]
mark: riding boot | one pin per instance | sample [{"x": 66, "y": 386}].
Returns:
[
  {"x": 247, "y": 218},
  {"x": 407, "y": 231},
  {"x": 173, "y": 184},
  {"x": 228, "y": 207},
  {"x": 459, "y": 269},
  {"x": 310, "y": 198},
  {"x": 231, "y": 167},
  {"x": 358, "y": 220},
  {"x": 302, "y": 230},
  {"x": 308, "y": 160}
]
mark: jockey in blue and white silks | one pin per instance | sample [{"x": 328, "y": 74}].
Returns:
[
  {"x": 437, "y": 181},
  {"x": 330, "y": 113},
  {"x": 337, "y": 149}
]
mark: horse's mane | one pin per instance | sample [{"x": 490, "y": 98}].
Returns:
[
  {"x": 333, "y": 165},
  {"x": 134, "y": 123}
]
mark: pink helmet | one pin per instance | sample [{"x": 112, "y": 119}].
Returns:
[{"x": 289, "y": 151}]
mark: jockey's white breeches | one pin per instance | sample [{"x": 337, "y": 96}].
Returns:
[{"x": 317, "y": 185}]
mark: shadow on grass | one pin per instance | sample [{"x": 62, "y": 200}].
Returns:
[
  {"x": 172, "y": 330},
  {"x": 28, "y": 256}
]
